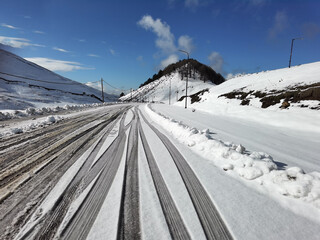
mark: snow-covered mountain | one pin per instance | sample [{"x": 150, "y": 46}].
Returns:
[
  {"x": 169, "y": 85},
  {"x": 25, "y": 84},
  {"x": 159, "y": 90}
]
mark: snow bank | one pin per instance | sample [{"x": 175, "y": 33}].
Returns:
[
  {"x": 13, "y": 114},
  {"x": 236, "y": 161},
  {"x": 41, "y": 122}
]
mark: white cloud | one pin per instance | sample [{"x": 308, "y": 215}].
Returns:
[
  {"x": 97, "y": 85},
  {"x": 165, "y": 40},
  {"x": 38, "y": 32},
  {"x": 27, "y": 17},
  {"x": 280, "y": 24},
  {"x": 93, "y": 55},
  {"x": 231, "y": 75},
  {"x": 185, "y": 43},
  {"x": 94, "y": 85},
  {"x": 8, "y": 26},
  {"x": 171, "y": 59},
  {"x": 191, "y": 3},
  {"x": 216, "y": 61},
  {"x": 113, "y": 52},
  {"x": 58, "y": 65},
  {"x": 82, "y": 40},
  {"x": 17, "y": 42},
  {"x": 60, "y": 50}
]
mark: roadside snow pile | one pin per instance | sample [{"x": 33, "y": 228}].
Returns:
[
  {"x": 7, "y": 115},
  {"x": 41, "y": 122},
  {"x": 257, "y": 167}
]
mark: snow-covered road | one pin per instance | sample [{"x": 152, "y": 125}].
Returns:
[
  {"x": 115, "y": 172},
  {"x": 73, "y": 204}
]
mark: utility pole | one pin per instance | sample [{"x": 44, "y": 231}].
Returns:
[
  {"x": 177, "y": 95},
  {"x": 292, "y": 49},
  {"x": 187, "y": 77},
  {"x": 170, "y": 92},
  {"x": 102, "y": 90}
]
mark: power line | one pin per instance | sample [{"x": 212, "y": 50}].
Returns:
[{"x": 112, "y": 86}]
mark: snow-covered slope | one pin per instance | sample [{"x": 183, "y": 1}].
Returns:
[
  {"x": 159, "y": 90},
  {"x": 24, "y": 84},
  {"x": 299, "y": 86}
]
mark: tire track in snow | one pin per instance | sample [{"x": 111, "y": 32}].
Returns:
[
  {"x": 15, "y": 140},
  {"x": 43, "y": 180},
  {"x": 31, "y": 156},
  {"x": 60, "y": 209},
  {"x": 210, "y": 219},
  {"x": 80, "y": 224},
  {"x": 174, "y": 221},
  {"x": 129, "y": 218}
]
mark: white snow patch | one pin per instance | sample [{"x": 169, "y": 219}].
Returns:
[
  {"x": 73, "y": 208},
  {"x": 150, "y": 210},
  {"x": 106, "y": 223},
  {"x": 174, "y": 183},
  {"x": 30, "y": 125},
  {"x": 110, "y": 138},
  {"x": 128, "y": 117}
]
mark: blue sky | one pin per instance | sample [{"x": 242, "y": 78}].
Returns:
[{"x": 126, "y": 42}]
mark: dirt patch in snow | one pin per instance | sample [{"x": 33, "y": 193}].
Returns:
[
  {"x": 196, "y": 97},
  {"x": 293, "y": 94}
]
